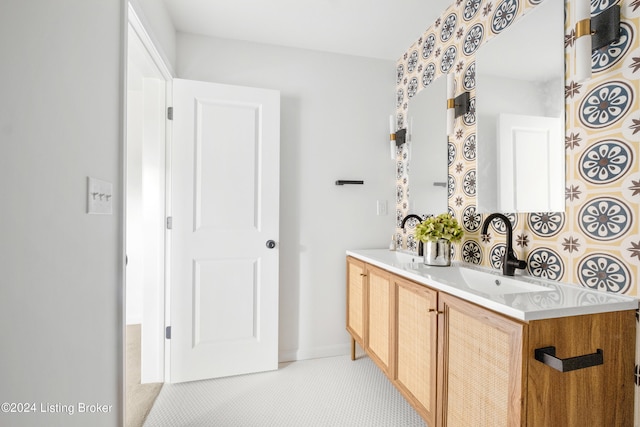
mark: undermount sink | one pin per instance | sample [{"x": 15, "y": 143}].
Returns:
[
  {"x": 406, "y": 257},
  {"x": 479, "y": 281},
  {"x": 493, "y": 284}
]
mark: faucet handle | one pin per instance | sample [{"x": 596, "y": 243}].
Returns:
[{"x": 513, "y": 263}]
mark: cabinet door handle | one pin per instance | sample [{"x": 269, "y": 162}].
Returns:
[
  {"x": 433, "y": 310},
  {"x": 363, "y": 275},
  {"x": 547, "y": 355}
]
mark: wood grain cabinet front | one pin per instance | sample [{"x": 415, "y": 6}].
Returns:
[
  {"x": 380, "y": 304},
  {"x": 416, "y": 322},
  {"x": 460, "y": 364},
  {"x": 590, "y": 396},
  {"x": 356, "y": 304},
  {"x": 480, "y": 366},
  {"x": 369, "y": 309}
]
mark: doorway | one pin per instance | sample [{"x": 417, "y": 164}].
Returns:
[
  {"x": 226, "y": 302},
  {"x": 146, "y": 99}
]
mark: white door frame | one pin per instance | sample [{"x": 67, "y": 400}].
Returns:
[{"x": 157, "y": 298}]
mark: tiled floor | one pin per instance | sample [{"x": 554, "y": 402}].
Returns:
[{"x": 324, "y": 392}]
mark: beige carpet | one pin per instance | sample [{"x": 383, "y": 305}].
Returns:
[{"x": 140, "y": 397}]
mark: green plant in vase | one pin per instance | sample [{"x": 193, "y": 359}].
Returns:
[{"x": 437, "y": 233}]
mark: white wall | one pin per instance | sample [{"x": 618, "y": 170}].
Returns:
[
  {"x": 334, "y": 125},
  {"x": 60, "y": 269},
  {"x": 157, "y": 22}
]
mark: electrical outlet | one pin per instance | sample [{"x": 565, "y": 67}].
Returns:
[
  {"x": 99, "y": 197},
  {"x": 382, "y": 208}
]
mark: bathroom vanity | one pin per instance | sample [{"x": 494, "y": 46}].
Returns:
[{"x": 467, "y": 346}]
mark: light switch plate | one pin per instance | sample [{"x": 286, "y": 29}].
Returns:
[{"x": 99, "y": 196}]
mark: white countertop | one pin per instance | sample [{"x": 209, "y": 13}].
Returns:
[{"x": 552, "y": 299}]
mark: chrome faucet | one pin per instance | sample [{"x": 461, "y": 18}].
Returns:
[
  {"x": 509, "y": 262},
  {"x": 404, "y": 221}
]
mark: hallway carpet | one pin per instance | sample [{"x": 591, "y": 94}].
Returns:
[
  {"x": 326, "y": 392},
  {"x": 139, "y": 397}
]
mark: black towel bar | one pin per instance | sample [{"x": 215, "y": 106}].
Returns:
[
  {"x": 547, "y": 355},
  {"x": 344, "y": 181}
]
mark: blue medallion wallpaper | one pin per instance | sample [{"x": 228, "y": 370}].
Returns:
[{"x": 595, "y": 242}]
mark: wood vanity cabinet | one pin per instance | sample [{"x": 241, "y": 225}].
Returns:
[
  {"x": 459, "y": 364},
  {"x": 489, "y": 376}
]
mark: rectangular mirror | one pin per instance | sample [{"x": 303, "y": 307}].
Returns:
[{"x": 520, "y": 115}]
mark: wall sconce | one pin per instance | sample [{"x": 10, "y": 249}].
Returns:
[
  {"x": 396, "y": 138},
  {"x": 603, "y": 28},
  {"x": 392, "y": 137},
  {"x": 456, "y": 105}
]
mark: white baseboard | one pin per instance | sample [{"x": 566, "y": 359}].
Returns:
[{"x": 314, "y": 353}]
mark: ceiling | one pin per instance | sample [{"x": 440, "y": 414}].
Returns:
[{"x": 381, "y": 29}]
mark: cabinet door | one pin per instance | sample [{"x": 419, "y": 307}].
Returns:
[
  {"x": 416, "y": 346},
  {"x": 380, "y": 297},
  {"x": 356, "y": 280},
  {"x": 481, "y": 366}
]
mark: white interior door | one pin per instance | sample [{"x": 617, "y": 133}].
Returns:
[
  {"x": 530, "y": 164},
  {"x": 225, "y": 210}
]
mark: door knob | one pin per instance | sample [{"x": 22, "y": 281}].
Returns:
[{"x": 271, "y": 244}]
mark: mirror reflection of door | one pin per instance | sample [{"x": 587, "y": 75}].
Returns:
[
  {"x": 521, "y": 81},
  {"x": 530, "y": 164}
]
